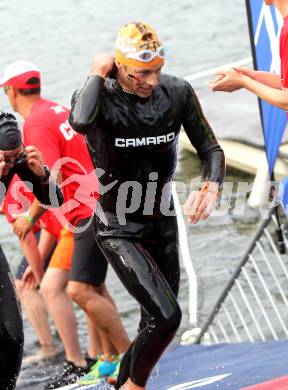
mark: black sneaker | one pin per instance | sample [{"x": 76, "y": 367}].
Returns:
[
  {"x": 68, "y": 375},
  {"x": 90, "y": 361}
]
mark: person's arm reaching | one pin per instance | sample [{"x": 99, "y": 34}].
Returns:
[
  {"x": 24, "y": 223},
  {"x": 85, "y": 102},
  {"x": 270, "y": 79},
  {"x": 31, "y": 252},
  {"x": 201, "y": 203},
  {"x": 36, "y": 256},
  {"x": 265, "y": 87},
  {"x": 202, "y": 138},
  {"x": 276, "y": 97}
]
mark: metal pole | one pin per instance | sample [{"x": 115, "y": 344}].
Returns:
[{"x": 187, "y": 261}]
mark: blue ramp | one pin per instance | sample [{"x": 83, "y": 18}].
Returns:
[
  {"x": 222, "y": 366},
  {"x": 216, "y": 367}
]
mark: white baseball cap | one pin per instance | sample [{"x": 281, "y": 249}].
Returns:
[{"x": 18, "y": 73}]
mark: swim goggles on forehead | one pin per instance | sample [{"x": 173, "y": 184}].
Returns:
[{"x": 148, "y": 55}]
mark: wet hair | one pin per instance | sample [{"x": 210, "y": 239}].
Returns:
[
  {"x": 10, "y": 133},
  {"x": 31, "y": 91}
]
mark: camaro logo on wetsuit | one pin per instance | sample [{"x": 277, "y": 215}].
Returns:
[{"x": 144, "y": 141}]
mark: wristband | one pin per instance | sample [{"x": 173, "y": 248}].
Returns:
[
  {"x": 31, "y": 220},
  {"x": 208, "y": 188}
]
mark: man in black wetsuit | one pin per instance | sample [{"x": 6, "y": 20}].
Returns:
[
  {"x": 27, "y": 163},
  {"x": 131, "y": 115}
]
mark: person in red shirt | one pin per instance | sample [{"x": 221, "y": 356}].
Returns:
[
  {"x": 27, "y": 163},
  {"x": 30, "y": 296},
  {"x": 267, "y": 86},
  {"x": 66, "y": 153},
  {"x": 17, "y": 201}
]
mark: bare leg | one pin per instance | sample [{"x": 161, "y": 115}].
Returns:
[
  {"x": 95, "y": 345},
  {"x": 102, "y": 313},
  {"x": 37, "y": 314},
  {"x": 105, "y": 293},
  {"x": 53, "y": 288},
  {"x": 102, "y": 290}
]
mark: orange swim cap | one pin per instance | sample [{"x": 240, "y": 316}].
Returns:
[{"x": 138, "y": 45}]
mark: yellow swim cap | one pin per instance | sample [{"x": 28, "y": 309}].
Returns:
[{"x": 138, "y": 45}]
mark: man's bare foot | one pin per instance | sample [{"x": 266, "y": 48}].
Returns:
[{"x": 129, "y": 385}]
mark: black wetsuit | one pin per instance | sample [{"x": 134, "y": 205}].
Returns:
[
  {"x": 134, "y": 141},
  {"x": 11, "y": 327}
]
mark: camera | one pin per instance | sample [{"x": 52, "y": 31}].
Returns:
[{"x": 21, "y": 159}]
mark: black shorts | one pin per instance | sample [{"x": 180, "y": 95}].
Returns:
[
  {"x": 88, "y": 263},
  {"x": 24, "y": 264}
]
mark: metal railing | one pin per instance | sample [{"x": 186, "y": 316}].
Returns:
[
  {"x": 253, "y": 305},
  {"x": 213, "y": 71}
]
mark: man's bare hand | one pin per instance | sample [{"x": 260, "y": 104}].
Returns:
[
  {"x": 34, "y": 160},
  {"x": 22, "y": 227},
  {"x": 102, "y": 65},
  {"x": 200, "y": 204},
  {"x": 227, "y": 81},
  {"x": 29, "y": 280}
]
